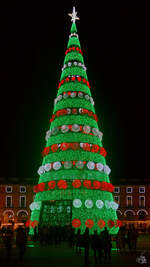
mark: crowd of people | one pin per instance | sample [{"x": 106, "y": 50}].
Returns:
[
  {"x": 19, "y": 236},
  {"x": 100, "y": 243}
]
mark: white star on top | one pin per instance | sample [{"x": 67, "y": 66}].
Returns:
[{"x": 73, "y": 15}]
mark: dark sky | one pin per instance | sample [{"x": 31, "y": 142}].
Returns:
[{"x": 115, "y": 41}]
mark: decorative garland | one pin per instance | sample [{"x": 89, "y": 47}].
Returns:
[
  {"x": 85, "y": 129},
  {"x": 74, "y": 111},
  {"x": 74, "y": 164},
  {"x": 73, "y": 64},
  {"x": 73, "y": 78},
  {"x": 73, "y": 35},
  {"x": 74, "y": 94},
  {"x": 74, "y": 146},
  {"x": 77, "y": 203},
  {"x": 73, "y": 48},
  {"x": 89, "y": 223},
  {"x": 77, "y": 183}
]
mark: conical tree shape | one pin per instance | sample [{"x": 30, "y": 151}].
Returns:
[{"x": 74, "y": 186}]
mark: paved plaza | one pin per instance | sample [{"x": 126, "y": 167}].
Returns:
[{"x": 63, "y": 255}]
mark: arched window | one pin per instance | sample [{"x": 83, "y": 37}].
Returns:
[
  {"x": 8, "y": 216},
  {"x": 129, "y": 214},
  {"x": 142, "y": 214},
  {"x": 22, "y": 215}
]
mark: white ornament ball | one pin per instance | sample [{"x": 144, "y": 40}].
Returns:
[
  {"x": 73, "y": 94},
  {"x": 95, "y": 131},
  {"x": 55, "y": 131},
  {"x": 91, "y": 165},
  {"x": 68, "y": 164},
  {"x": 80, "y": 95},
  {"x": 47, "y": 167},
  {"x": 107, "y": 170},
  {"x": 107, "y": 204},
  {"x": 41, "y": 170},
  {"x": 37, "y": 205},
  {"x": 99, "y": 166},
  {"x": 99, "y": 204},
  {"x": 79, "y": 164},
  {"x": 87, "y": 97},
  {"x": 59, "y": 97},
  {"x": 68, "y": 111},
  {"x": 92, "y": 101},
  {"x": 75, "y": 128},
  {"x": 65, "y": 96},
  {"x": 89, "y": 203},
  {"x": 64, "y": 128},
  {"x": 114, "y": 205},
  {"x": 56, "y": 165},
  {"x": 86, "y": 129},
  {"x": 32, "y": 206},
  {"x": 77, "y": 203}
]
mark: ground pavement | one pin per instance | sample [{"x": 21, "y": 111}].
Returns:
[{"x": 63, "y": 255}]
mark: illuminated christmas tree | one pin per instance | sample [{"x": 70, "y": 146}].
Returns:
[{"x": 74, "y": 186}]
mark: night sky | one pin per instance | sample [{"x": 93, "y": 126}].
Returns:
[{"x": 115, "y": 41}]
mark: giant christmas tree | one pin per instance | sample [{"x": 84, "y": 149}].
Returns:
[{"x": 74, "y": 186}]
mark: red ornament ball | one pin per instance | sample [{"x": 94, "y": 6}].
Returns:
[
  {"x": 79, "y": 79},
  {"x": 110, "y": 223},
  {"x": 89, "y": 223},
  {"x": 62, "y": 184},
  {"x": 41, "y": 187},
  {"x": 73, "y": 78},
  {"x": 103, "y": 152},
  {"x": 75, "y": 146},
  {"x": 36, "y": 188},
  {"x": 34, "y": 223},
  {"x": 86, "y": 147},
  {"x": 74, "y": 111},
  {"x": 64, "y": 146},
  {"x": 101, "y": 223},
  {"x": 54, "y": 148},
  {"x": 51, "y": 184},
  {"x": 45, "y": 151},
  {"x": 76, "y": 183},
  {"x": 87, "y": 184},
  {"x": 104, "y": 186},
  {"x": 76, "y": 223},
  {"x": 28, "y": 223},
  {"x": 96, "y": 184},
  {"x": 119, "y": 223}
]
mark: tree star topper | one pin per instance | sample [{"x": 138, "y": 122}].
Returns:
[{"x": 73, "y": 15}]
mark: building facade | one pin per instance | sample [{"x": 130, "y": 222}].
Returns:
[
  {"x": 134, "y": 204},
  {"x": 15, "y": 198}
]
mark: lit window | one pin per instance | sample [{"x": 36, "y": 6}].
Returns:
[
  {"x": 8, "y": 189},
  {"x": 22, "y": 189},
  {"x": 142, "y": 201},
  {"x": 142, "y": 189},
  {"x": 8, "y": 201},
  {"x": 117, "y": 190},
  {"x": 129, "y": 189},
  {"x": 22, "y": 203},
  {"x": 129, "y": 201}
]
